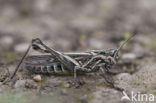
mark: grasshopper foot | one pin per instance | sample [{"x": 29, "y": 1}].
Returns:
[{"x": 76, "y": 83}]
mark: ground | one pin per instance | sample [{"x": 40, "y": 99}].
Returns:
[{"x": 83, "y": 25}]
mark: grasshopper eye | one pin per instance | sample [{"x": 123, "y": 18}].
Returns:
[
  {"x": 112, "y": 52},
  {"x": 116, "y": 55},
  {"x": 38, "y": 47},
  {"x": 35, "y": 47}
]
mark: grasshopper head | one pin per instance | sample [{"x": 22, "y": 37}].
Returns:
[
  {"x": 114, "y": 54},
  {"x": 37, "y": 45},
  {"x": 110, "y": 58}
]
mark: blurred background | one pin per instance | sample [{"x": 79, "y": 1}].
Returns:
[
  {"x": 72, "y": 25},
  {"x": 76, "y": 25}
]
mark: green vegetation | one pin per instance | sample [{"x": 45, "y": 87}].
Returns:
[
  {"x": 83, "y": 37},
  {"x": 90, "y": 96},
  {"x": 51, "y": 93},
  {"x": 126, "y": 36},
  {"x": 132, "y": 69},
  {"x": 9, "y": 55},
  {"x": 61, "y": 84},
  {"x": 152, "y": 45},
  {"x": 154, "y": 92},
  {"x": 79, "y": 101}
]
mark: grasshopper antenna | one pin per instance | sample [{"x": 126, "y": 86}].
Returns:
[
  {"x": 17, "y": 67},
  {"x": 125, "y": 42},
  {"x": 120, "y": 47}
]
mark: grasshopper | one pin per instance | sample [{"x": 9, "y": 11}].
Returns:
[{"x": 74, "y": 62}]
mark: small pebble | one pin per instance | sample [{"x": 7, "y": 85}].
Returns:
[
  {"x": 37, "y": 78},
  {"x": 30, "y": 84},
  {"x": 123, "y": 76},
  {"x": 6, "y": 41},
  {"x": 21, "y": 48},
  {"x": 64, "y": 91},
  {"x": 129, "y": 56},
  {"x": 20, "y": 84},
  {"x": 67, "y": 85},
  {"x": 95, "y": 43}
]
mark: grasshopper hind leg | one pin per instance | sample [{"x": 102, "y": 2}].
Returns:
[{"x": 71, "y": 64}]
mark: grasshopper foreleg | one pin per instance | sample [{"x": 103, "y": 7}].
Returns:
[{"x": 110, "y": 81}]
